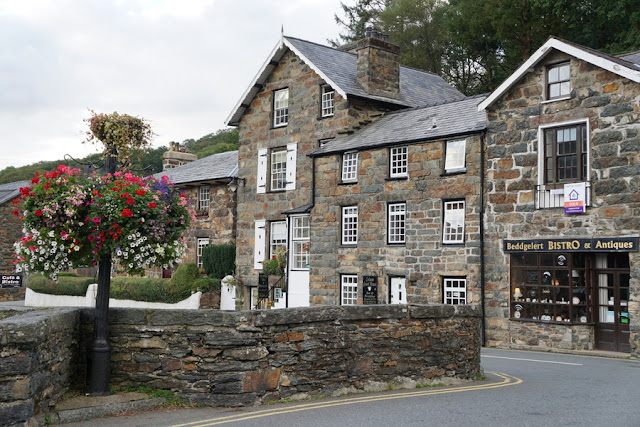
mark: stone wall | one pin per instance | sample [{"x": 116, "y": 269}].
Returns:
[
  {"x": 251, "y": 357},
  {"x": 38, "y": 350},
  {"x": 611, "y": 105},
  {"x": 10, "y": 232},
  {"x": 424, "y": 260},
  {"x": 305, "y": 128}
]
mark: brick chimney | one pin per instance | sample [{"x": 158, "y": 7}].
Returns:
[
  {"x": 176, "y": 157},
  {"x": 378, "y": 64}
]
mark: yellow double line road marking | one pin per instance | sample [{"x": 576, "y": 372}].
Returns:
[{"x": 507, "y": 380}]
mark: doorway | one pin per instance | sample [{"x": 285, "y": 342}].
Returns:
[
  {"x": 398, "y": 290},
  {"x": 612, "y": 274}
]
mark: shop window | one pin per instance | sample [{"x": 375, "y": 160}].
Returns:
[
  {"x": 348, "y": 289},
  {"x": 454, "y": 290},
  {"x": 350, "y": 167},
  {"x": 550, "y": 287},
  {"x": 559, "y": 81},
  {"x": 281, "y": 107},
  {"x": 327, "y": 101},
  {"x": 398, "y": 162}
]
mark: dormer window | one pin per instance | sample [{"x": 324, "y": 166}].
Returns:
[
  {"x": 327, "y": 101},
  {"x": 281, "y": 107},
  {"x": 559, "y": 81}
]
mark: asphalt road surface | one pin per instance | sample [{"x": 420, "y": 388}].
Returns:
[{"x": 521, "y": 389}]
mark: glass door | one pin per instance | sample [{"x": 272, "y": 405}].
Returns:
[{"x": 612, "y": 280}]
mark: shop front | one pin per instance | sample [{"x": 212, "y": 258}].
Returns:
[{"x": 582, "y": 284}]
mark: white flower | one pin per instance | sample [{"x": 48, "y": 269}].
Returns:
[{"x": 51, "y": 234}]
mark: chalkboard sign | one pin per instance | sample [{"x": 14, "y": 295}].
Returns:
[
  {"x": 11, "y": 281},
  {"x": 370, "y": 289},
  {"x": 263, "y": 286}
]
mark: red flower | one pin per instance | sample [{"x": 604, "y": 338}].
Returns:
[
  {"x": 152, "y": 205},
  {"x": 130, "y": 201},
  {"x": 16, "y": 212},
  {"x": 35, "y": 180},
  {"x": 38, "y": 212},
  {"x": 127, "y": 213},
  {"x": 140, "y": 192}
]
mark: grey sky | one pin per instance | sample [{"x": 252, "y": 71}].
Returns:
[{"x": 181, "y": 64}]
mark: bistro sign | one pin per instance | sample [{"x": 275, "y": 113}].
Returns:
[{"x": 604, "y": 244}]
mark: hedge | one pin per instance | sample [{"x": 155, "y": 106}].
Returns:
[
  {"x": 185, "y": 281},
  {"x": 219, "y": 260}
]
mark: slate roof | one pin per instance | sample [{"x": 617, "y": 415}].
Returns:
[
  {"x": 632, "y": 57},
  {"x": 432, "y": 122},
  {"x": 338, "y": 69},
  {"x": 11, "y": 190},
  {"x": 216, "y": 166}
]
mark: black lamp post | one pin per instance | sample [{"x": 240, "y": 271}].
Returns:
[{"x": 99, "y": 351}]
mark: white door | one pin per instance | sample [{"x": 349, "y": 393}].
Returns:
[{"x": 398, "y": 290}]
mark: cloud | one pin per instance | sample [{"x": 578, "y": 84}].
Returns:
[{"x": 180, "y": 64}]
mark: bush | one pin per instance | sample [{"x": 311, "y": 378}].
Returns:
[
  {"x": 219, "y": 260},
  {"x": 66, "y": 285}
]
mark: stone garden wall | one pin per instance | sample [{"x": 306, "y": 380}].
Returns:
[
  {"x": 251, "y": 357},
  {"x": 38, "y": 350}
]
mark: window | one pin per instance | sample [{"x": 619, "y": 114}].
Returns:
[
  {"x": 349, "y": 167},
  {"x": 348, "y": 289},
  {"x": 277, "y": 237},
  {"x": 278, "y": 170},
  {"x": 559, "y": 81},
  {"x": 281, "y": 107},
  {"x": 204, "y": 196},
  {"x": 455, "y": 156},
  {"x": 300, "y": 242},
  {"x": 327, "y": 101},
  {"x": 201, "y": 243},
  {"x": 552, "y": 287},
  {"x": 453, "y": 222},
  {"x": 398, "y": 162},
  {"x": 396, "y": 216},
  {"x": 350, "y": 225},
  {"x": 565, "y": 154},
  {"x": 454, "y": 290}
]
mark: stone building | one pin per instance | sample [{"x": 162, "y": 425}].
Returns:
[
  {"x": 397, "y": 209},
  {"x": 206, "y": 182},
  {"x": 10, "y": 232},
  {"x": 563, "y": 205},
  {"x": 303, "y": 95}
]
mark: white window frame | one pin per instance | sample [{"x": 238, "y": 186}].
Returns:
[
  {"x": 281, "y": 107},
  {"x": 455, "y": 156},
  {"x": 350, "y": 167},
  {"x": 349, "y": 233},
  {"x": 277, "y": 236},
  {"x": 454, "y": 291},
  {"x": 300, "y": 241},
  {"x": 204, "y": 197},
  {"x": 348, "y": 289},
  {"x": 200, "y": 243},
  {"x": 453, "y": 227},
  {"x": 278, "y": 170},
  {"x": 396, "y": 223},
  {"x": 327, "y": 101},
  {"x": 555, "y": 80},
  {"x": 399, "y": 162}
]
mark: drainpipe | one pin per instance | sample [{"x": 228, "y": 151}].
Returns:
[{"x": 482, "y": 260}]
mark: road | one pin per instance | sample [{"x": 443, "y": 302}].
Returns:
[{"x": 521, "y": 389}]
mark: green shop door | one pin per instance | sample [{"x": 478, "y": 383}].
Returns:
[{"x": 612, "y": 286}]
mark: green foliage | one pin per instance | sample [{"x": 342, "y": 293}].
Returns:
[
  {"x": 219, "y": 142},
  {"x": 219, "y": 260},
  {"x": 67, "y": 284}
]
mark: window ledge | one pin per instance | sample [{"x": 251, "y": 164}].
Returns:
[
  {"x": 347, "y": 182},
  {"x": 454, "y": 172},
  {"x": 280, "y": 126},
  {"x": 450, "y": 244},
  {"x": 396, "y": 178},
  {"x": 326, "y": 117},
  {"x": 548, "y": 101}
]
